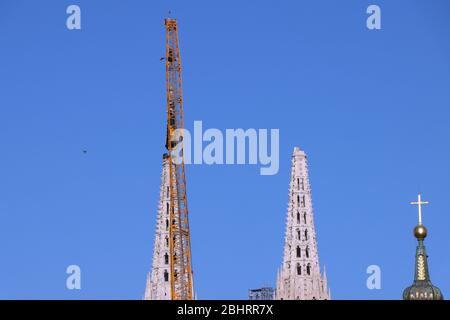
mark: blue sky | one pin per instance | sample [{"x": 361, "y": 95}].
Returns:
[{"x": 369, "y": 107}]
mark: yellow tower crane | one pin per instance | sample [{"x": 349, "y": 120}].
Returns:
[{"x": 181, "y": 277}]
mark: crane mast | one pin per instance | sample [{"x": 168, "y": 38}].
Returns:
[{"x": 181, "y": 279}]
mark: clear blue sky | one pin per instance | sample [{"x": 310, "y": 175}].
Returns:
[{"x": 371, "y": 109}]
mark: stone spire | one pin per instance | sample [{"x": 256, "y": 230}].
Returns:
[
  {"x": 299, "y": 277},
  {"x": 422, "y": 288},
  {"x": 158, "y": 280}
]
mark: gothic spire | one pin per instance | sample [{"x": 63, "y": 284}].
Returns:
[
  {"x": 158, "y": 285},
  {"x": 299, "y": 278}
]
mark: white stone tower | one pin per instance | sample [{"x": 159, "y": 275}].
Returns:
[
  {"x": 158, "y": 280},
  {"x": 299, "y": 278}
]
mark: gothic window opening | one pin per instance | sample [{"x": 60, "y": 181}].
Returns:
[
  {"x": 298, "y": 217},
  {"x": 167, "y": 224},
  {"x": 307, "y": 252},
  {"x": 304, "y": 217},
  {"x": 166, "y": 258},
  {"x": 308, "y": 269},
  {"x": 299, "y": 269},
  {"x": 299, "y": 252},
  {"x": 298, "y": 235},
  {"x": 306, "y": 235},
  {"x": 166, "y": 276},
  {"x": 303, "y": 201}
]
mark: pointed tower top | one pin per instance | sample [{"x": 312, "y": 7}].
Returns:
[
  {"x": 422, "y": 288},
  {"x": 298, "y": 152}
]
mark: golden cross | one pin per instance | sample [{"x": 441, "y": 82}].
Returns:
[{"x": 419, "y": 203}]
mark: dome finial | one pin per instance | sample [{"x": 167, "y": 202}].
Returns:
[
  {"x": 420, "y": 232},
  {"x": 422, "y": 288}
]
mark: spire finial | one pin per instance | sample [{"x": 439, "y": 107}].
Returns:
[{"x": 419, "y": 204}]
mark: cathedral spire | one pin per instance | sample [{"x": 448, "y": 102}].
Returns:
[
  {"x": 299, "y": 277},
  {"x": 158, "y": 284},
  {"x": 422, "y": 288}
]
